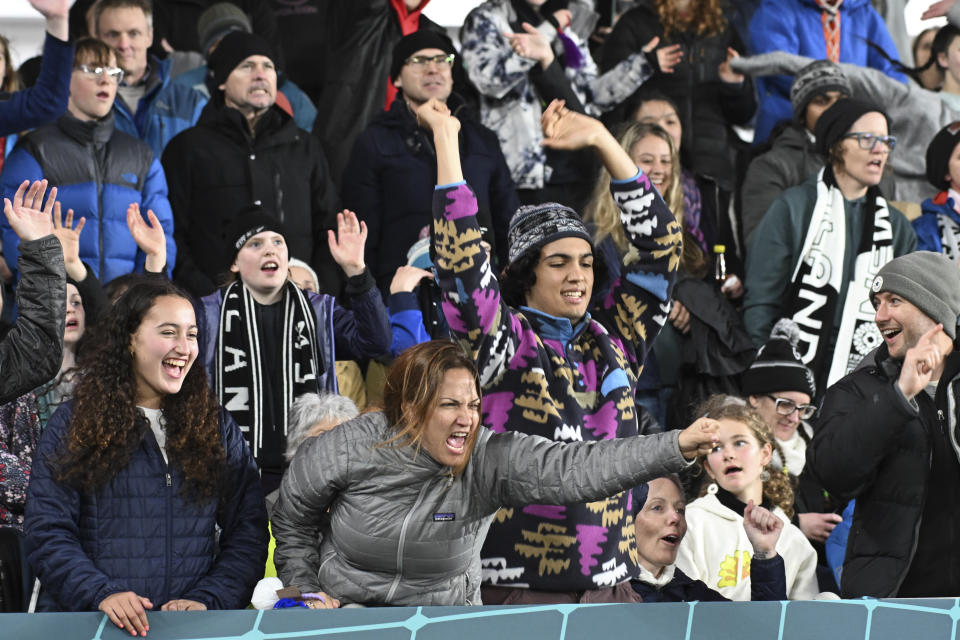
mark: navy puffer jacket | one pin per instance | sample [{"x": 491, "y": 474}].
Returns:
[{"x": 138, "y": 534}]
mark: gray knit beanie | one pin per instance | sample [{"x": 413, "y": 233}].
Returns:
[
  {"x": 928, "y": 280},
  {"x": 817, "y": 78},
  {"x": 219, "y": 20},
  {"x": 533, "y": 226}
]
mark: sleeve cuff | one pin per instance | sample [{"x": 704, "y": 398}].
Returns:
[
  {"x": 402, "y": 301},
  {"x": 357, "y": 285},
  {"x": 627, "y": 180},
  {"x": 441, "y": 187}
]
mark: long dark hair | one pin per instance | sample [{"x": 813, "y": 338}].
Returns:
[{"x": 106, "y": 427}]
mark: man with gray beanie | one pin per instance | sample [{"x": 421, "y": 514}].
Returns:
[
  {"x": 245, "y": 150},
  {"x": 887, "y": 437},
  {"x": 792, "y": 156}
]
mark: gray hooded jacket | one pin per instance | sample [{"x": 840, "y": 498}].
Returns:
[{"x": 402, "y": 531}]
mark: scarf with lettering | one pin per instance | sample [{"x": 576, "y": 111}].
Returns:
[
  {"x": 817, "y": 280},
  {"x": 239, "y": 367},
  {"x": 830, "y": 19}
]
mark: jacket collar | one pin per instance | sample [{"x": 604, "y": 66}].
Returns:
[
  {"x": 230, "y": 122},
  {"x": 554, "y": 328},
  {"x": 95, "y": 132}
]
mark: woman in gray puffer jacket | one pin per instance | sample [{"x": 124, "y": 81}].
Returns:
[{"x": 411, "y": 491}]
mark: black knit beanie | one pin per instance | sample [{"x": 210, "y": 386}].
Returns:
[
  {"x": 777, "y": 366},
  {"x": 235, "y": 47},
  {"x": 249, "y": 221},
  {"x": 836, "y": 121},
  {"x": 416, "y": 41},
  {"x": 938, "y": 155}
]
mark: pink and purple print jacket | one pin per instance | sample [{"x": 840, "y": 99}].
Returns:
[{"x": 546, "y": 376}]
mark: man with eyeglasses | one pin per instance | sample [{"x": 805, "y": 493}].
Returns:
[
  {"x": 99, "y": 170},
  {"x": 817, "y": 248},
  {"x": 392, "y": 170},
  {"x": 246, "y": 151},
  {"x": 888, "y": 436}
]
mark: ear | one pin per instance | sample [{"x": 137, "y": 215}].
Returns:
[
  {"x": 149, "y": 37},
  {"x": 942, "y": 60},
  {"x": 754, "y": 401},
  {"x": 397, "y": 83},
  {"x": 766, "y": 454},
  {"x": 706, "y": 467},
  {"x": 234, "y": 267},
  {"x": 222, "y": 87}
]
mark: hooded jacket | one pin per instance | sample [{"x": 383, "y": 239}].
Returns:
[
  {"x": 937, "y": 211},
  {"x": 899, "y": 460},
  {"x": 217, "y": 168},
  {"x": 98, "y": 171},
  {"x": 403, "y": 531},
  {"x": 716, "y": 550},
  {"x": 796, "y": 26},
  {"x": 390, "y": 178},
  {"x": 546, "y": 376},
  {"x": 137, "y": 532}
]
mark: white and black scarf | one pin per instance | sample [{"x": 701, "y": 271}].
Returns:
[
  {"x": 817, "y": 280},
  {"x": 238, "y": 367}
]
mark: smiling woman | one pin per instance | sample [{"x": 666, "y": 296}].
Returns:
[
  {"x": 400, "y": 501},
  {"x": 144, "y": 453}
]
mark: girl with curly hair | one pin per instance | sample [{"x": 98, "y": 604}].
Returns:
[
  {"x": 716, "y": 548},
  {"x": 143, "y": 493}
]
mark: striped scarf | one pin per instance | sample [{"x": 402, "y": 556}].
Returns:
[{"x": 830, "y": 19}]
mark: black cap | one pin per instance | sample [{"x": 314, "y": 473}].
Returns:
[{"x": 235, "y": 47}]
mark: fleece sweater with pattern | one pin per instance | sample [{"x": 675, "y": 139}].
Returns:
[{"x": 567, "y": 382}]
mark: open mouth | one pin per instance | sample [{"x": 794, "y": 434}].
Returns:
[
  {"x": 890, "y": 334},
  {"x": 457, "y": 441},
  {"x": 72, "y": 323},
  {"x": 875, "y": 163},
  {"x": 174, "y": 367},
  {"x": 671, "y": 539},
  {"x": 575, "y": 295},
  {"x": 270, "y": 267},
  {"x": 103, "y": 95},
  {"x": 732, "y": 470}
]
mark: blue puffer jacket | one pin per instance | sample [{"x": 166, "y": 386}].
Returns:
[
  {"x": 927, "y": 225},
  {"x": 99, "y": 171},
  {"x": 138, "y": 534},
  {"x": 166, "y": 109},
  {"x": 795, "y": 26}
]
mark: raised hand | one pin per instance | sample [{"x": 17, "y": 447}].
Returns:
[
  {"x": 818, "y": 526},
  {"x": 70, "y": 242},
  {"x": 149, "y": 237},
  {"x": 127, "y": 610},
  {"x": 407, "y": 278},
  {"x": 531, "y": 44},
  {"x": 667, "y": 57},
  {"x": 435, "y": 116},
  {"x": 763, "y": 529},
  {"x": 568, "y": 130},
  {"x": 922, "y": 360},
  {"x": 56, "y": 12},
  {"x": 727, "y": 74},
  {"x": 937, "y": 9},
  {"x": 346, "y": 245},
  {"x": 699, "y": 438},
  {"x": 24, "y": 213},
  {"x": 184, "y": 605}
]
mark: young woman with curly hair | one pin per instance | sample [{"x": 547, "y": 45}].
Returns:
[
  {"x": 716, "y": 548},
  {"x": 143, "y": 493}
]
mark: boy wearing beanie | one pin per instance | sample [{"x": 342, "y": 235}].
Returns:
[{"x": 887, "y": 436}]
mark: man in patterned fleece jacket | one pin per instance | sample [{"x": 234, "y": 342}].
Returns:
[{"x": 548, "y": 366}]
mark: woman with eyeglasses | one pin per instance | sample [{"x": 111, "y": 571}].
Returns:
[
  {"x": 781, "y": 389},
  {"x": 814, "y": 254}
]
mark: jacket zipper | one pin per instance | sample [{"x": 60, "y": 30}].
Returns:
[
  {"x": 102, "y": 251},
  {"x": 403, "y": 535},
  {"x": 169, "y": 542}
]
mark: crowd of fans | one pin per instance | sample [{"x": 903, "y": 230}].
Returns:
[{"x": 313, "y": 306}]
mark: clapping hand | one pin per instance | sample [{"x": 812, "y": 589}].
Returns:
[
  {"x": 149, "y": 237},
  {"x": 347, "y": 244},
  {"x": 24, "y": 213},
  {"x": 667, "y": 57},
  {"x": 531, "y": 44},
  {"x": 70, "y": 242}
]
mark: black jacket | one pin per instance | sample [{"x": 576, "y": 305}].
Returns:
[
  {"x": 899, "y": 461},
  {"x": 217, "y": 168},
  {"x": 390, "y": 179},
  {"x": 768, "y": 581},
  {"x": 707, "y": 105},
  {"x": 32, "y": 351}
]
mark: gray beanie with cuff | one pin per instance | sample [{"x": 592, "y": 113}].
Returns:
[
  {"x": 533, "y": 226},
  {"x": 929, "y": 281}
]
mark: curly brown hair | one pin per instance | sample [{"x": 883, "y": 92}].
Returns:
[
  {"x": 702, "y": 17},
  {"x": 106, "y": 427},
  {"x": 777, "y": 488}
]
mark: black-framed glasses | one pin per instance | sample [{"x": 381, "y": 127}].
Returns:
[
  {"x": 441, "y": 60},
  {"x": 113, "y": 73},
  {"x": 786, "y": 407},
  {"x": 869, "y": 141}
]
